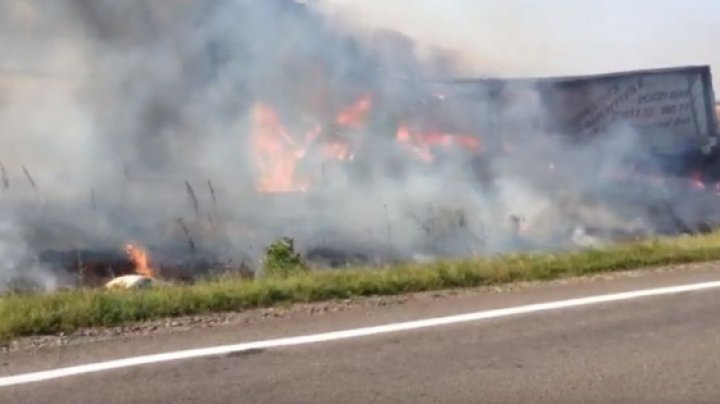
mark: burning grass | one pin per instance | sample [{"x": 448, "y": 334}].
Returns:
[{"x": 23, "y": 315}]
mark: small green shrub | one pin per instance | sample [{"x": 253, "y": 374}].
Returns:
[
  {"x": 281, "y": 260},
  {"x": 32, "y": 314}
]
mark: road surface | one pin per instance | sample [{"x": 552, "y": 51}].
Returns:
[{"x": 656, "y": 349}]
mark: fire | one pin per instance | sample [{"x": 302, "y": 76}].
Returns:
[
  {"x": 276, "y": 151},
  {"x": 312, "y": 134},
  {"x": 140, "y": 258},
  {"x": 405, "y": 137},
  {"x": 355, "y": 115},
  {"x": 422, "y": 143}
]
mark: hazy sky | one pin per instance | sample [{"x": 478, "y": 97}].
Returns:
[
  {"x": 496, "y": 37},
  {"x": 540, "y": 37}
]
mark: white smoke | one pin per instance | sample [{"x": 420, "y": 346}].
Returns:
[
  {"x": 532, "y": 38},
  {"x": 112, "y": 107},
  {"x": 15, "y": 266}
]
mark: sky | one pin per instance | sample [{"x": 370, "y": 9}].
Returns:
[
  {"x": 509, "y": 37},
  {"x": 552, "y": 37}
]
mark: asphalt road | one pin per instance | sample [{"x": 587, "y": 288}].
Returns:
[{"x": 663, "y": 349}]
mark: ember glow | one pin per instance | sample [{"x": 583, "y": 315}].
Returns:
[{"x": 139, "y": 257}]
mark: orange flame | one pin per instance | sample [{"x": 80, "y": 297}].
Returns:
[
  {"x": 140, "y": 259},
  {"x": 423, "y": 143},
  {"x": 356, "y": 114},
  {"x": 276, "y": 151},
  {"x": 421, "y": 151},
  {"x": 312, "y": 134}
]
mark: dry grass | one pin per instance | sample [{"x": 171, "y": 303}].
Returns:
[{"x": 69, "y": 311}]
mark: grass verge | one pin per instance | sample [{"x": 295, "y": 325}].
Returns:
[{"x": 69, "y": 311}]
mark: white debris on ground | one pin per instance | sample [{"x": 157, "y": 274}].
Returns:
[
  {"x": 130, "y": 282},
  {"x": 580, "y": 238}
]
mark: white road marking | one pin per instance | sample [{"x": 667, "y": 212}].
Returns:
[{"x": 353, "y": 333}]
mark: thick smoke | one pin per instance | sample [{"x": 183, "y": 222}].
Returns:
[
  {"x": 137, "y": 121},
  {"x": 526, "y": 38}
]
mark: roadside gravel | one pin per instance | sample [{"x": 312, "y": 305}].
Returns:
[{"x": 180, "y": 324}]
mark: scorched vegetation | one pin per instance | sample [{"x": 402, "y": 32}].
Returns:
[{"x": 32, "y": 314}]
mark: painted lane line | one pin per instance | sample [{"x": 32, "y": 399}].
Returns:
[{"x": 346, "y": 334}]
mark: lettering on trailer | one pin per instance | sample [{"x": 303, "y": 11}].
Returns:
[
  {"x": 608, "y": 106},
  {"x": 665, "y": 108},
  {"x": 669, "y": 109},
  {"x": 656, "y": 108}
]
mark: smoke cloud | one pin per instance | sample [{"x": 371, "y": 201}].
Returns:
[
  {"x": 159, "y": 122},
  {"x": 532, "y": 38}
]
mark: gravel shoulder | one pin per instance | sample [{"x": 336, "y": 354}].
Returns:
[{"x": 657, "y": 349}]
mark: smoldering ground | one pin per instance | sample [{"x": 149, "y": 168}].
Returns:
[{"x": 134, "y": 121}]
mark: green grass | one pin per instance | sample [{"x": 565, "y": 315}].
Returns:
[{"x": 22, "y": 315}]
